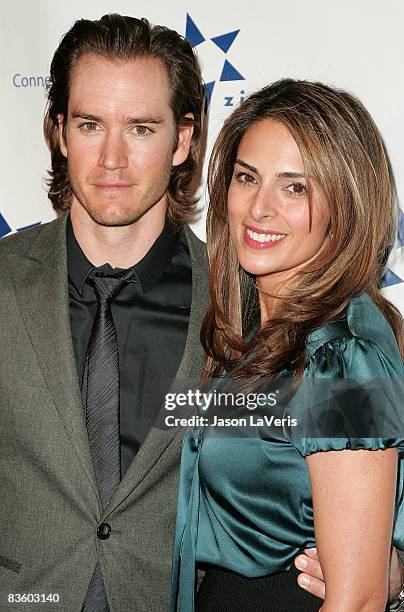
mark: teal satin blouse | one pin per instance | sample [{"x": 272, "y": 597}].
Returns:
[{"x": 245, "y": 502}]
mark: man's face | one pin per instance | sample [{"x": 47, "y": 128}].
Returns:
[{"x": 120, "y": 135}]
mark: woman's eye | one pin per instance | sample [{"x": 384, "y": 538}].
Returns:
[
  {"x": 244, "y": 177},
  {"x": 297, "y": 189}
]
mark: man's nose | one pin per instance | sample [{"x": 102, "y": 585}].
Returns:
[{"x": 114, "y": 152}]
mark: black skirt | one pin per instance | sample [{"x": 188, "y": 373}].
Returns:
[{"x": 225, "y": 591}]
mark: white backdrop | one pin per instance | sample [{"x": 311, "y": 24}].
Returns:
[{"x": 357, "y": 45}]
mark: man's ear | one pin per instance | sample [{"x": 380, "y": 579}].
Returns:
[
  {"x": 185, "y": 132},
  {"x": 62, "y": 142}
]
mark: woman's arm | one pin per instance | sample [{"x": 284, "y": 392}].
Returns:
[{"x": 353, "y": 501}]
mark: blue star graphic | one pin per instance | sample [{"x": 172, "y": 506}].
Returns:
[
  {"x": 224, "y": 41},
  {"x": 400, "y": 224},
  {"x": 4, "y": 227}
]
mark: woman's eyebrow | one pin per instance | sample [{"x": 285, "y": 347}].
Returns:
[
  {"x": 291, "y": 175},
  {"x": 247, "y": 166},
  {"x": 279, "y": 174}
]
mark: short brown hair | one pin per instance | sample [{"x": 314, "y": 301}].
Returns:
[{"x": 127, "y": 38}]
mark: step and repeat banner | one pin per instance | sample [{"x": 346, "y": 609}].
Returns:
[{"x": 241, "y": 45}]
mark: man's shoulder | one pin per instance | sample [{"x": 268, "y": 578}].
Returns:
[
  {"x": 197, "y": 248},
  {"x": 33, "y": 240}
]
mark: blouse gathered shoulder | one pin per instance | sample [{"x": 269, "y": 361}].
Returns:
[{"x": 245, "y": 501}]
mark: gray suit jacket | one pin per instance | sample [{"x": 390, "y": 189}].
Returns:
[{"x": 49, "y": 502}]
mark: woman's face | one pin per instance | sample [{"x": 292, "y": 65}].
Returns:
[{"x": 268, "y": 206}]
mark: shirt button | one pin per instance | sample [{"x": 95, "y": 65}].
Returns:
[{"x": 104, "y": 531}]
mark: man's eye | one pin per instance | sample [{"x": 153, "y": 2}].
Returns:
[
  {"x": 141, "y": 130},
  {"x": 91, "y": 126}
]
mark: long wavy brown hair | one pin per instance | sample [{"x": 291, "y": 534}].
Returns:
[
  {"x": 117, "y": 37},
  {"x": 344, "y": 154}
]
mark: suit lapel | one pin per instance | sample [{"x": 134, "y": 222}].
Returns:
[
  {"x": 41, "y": 287},
  {"x": 159, "y": 438}
]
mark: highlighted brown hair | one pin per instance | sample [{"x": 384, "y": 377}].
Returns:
[{"x": 344, "y": 154}]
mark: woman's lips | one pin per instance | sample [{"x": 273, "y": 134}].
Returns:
[{"x": 261, "y": 239}]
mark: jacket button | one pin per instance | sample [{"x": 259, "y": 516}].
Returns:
[{"x": 104, "y": 531}]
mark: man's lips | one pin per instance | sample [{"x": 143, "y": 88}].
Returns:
[
  {"x": 257, "y": 238},
  {"x": 112, "y": 185}
]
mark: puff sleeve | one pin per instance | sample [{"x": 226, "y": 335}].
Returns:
[{"x": 352, "y": 393}]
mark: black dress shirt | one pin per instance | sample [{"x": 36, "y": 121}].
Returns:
[{"x": 151, "y": 316}]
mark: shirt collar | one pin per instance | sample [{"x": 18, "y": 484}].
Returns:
[
  {"x": 78, "y": 266},
  {"x": 147, "y": 270}
]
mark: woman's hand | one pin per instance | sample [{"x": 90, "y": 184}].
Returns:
[
  {"x": 312, "y": 580},
  {"x": 353, "y": 502}
]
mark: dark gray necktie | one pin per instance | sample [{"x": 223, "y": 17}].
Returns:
[{"x": 100, "y": 396}]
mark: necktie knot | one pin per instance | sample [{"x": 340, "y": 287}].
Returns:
[{"x": 107, "y": 286}]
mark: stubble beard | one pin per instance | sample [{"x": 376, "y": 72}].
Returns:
[{"x": 121, "y": 215}]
